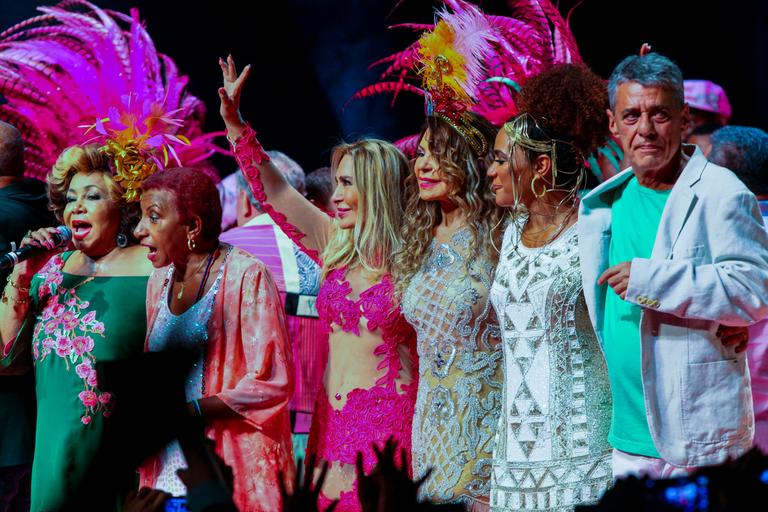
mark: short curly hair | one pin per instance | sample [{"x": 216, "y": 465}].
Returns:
[
  {"x": 195, "y": 194},
  {"x": 88, "y": 159},
  {"x": 569, "y": 102}
]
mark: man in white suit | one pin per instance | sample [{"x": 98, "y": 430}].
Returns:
[{"x": 672, "y": 249}]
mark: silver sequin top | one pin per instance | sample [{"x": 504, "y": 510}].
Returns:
[
  {"x": 552, "y": 447},
  {"x": 187, "y": 331},
  {"x": 460, "y": 377}
]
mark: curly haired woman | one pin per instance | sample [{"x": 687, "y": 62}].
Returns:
[
  {"x": 552, "y": 449},
  {"x": 445, "y": 276},
  {"x": 69, "y": 311}
]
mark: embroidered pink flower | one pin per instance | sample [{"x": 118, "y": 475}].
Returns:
[
  {"x": 85, "y": 419},
  {"x": 89, "y": 317},
  {"x": 98, "y": 327},
  {"x": 91, "y": 380},
  {"x": 53, "y": 277},
  {"x": 88, "y": 398},
  {"x": 105, "y": 398},
  {"x": 69, "y": 320},
  {"x": 50, "y": 326},
  {"x": 63, "y": 346},
  {"x": 82, "y": 344},
  {"x": 84, "y": 369},
  {"x": 48, "y": 311},
  {"x": 44, "y": 291},
  {"x": 35, "y": 352},
  {"x": 71, "y": 301},
  {"x": 48, "y": 343}
]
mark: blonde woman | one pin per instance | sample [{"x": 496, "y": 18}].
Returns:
[{"x": 368, "y": 393}]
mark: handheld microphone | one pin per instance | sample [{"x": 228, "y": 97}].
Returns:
[{"x": 61, "y": 238}]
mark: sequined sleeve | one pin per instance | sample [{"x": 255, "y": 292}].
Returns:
[{"x": 250, "y": 155}]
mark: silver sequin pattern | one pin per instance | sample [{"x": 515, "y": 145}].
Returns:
[
  {"x": 459, "y": 394},
  {"x": 552, "y": 449},
  {"x": 187, "y": 331}
]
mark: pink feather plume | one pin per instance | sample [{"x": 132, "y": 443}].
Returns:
[
  {"x": 531, "y": 39},
  {"x": 76, "y": 63}
]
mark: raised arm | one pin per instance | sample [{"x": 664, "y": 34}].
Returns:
[{"x": 302, "y": 221}]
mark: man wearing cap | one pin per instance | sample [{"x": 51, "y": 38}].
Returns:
[{"x": 672, "y": 249}]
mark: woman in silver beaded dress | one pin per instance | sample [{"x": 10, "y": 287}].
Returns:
[
  {"x": 445, "y": 276},
  {"x": 552, "y": 449}
]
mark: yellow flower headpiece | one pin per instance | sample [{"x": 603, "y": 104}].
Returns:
[
  {"x": 135, "y": 137},
  {"x": 450, "y": 65}
]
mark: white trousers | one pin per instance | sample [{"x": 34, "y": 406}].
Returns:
[{"x": 626, "y": 464}]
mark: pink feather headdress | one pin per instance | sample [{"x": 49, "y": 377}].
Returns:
[
  {"x": 77, "y": 66},
  {"x": 499, "y": 57}
]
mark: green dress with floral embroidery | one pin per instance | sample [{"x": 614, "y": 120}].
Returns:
[{"x": 77, "y": 321}]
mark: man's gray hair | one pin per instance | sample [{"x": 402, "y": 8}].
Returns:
[
  {"x": 292, "y": 171},
  {"x": 651, "y": 70},
  {"x": 743, "y": 150}
]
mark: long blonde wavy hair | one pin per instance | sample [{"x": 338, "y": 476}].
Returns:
[
  {"x": 465, "y": 174},
  {"x": 379, "y": 171}
]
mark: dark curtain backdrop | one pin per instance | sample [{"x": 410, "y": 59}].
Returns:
[{"x": 310, "y": 56}]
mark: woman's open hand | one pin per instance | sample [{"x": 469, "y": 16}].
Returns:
[{"x": 229, "y": 93}]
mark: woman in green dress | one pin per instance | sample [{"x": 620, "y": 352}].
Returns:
[{"x": 65, "y": 312}]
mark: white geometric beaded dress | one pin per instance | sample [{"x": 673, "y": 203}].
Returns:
[{"x": 551, "y": 449}]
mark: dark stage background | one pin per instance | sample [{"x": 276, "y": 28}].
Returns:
[{"x": 310, "y": 56}]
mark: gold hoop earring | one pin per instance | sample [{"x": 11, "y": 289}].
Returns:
[
  {"x": 191, "y": 245},
  {"x": 533, "y": 188}
]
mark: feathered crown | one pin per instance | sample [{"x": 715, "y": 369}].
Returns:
[
  {"x": 509, "y": 50},
  {"x": 77, "y": 65},
  {"x": 450, "y": 66}
]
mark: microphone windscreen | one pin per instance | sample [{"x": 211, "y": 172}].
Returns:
[{"x": 65, "y": 233}]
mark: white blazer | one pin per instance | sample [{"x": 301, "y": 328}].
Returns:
[{"x": 709, "y": 266}]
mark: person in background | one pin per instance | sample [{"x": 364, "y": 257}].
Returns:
[
  {"x": 228, "y": 197},
  {"x": 707, "y": 104},
  {"x": 298, "y": 280},
  {"x": 23, "y": 208},
  {"x": 320, "y": 189},
  {"x": 701, "y": 136},
  {"x": 744, "y": 150},
  {"x": 672, "y": 249}
]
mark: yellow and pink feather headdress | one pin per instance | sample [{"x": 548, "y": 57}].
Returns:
[{"x": 79, "y": 66}]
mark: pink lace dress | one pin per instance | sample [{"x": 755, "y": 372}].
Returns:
[{"x": 372, "y": 414}]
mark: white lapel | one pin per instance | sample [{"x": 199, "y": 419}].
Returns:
[{"x": 680, "y": 204}]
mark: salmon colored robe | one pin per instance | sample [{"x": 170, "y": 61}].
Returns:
[{"x": 248, "y": 366}]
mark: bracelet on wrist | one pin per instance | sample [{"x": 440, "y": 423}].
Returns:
[
  {"x": 4, "y": 298},
  {"x": 9, "y": 280}
]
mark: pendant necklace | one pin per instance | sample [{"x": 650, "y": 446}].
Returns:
[{"x": 203, "y": 262}]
